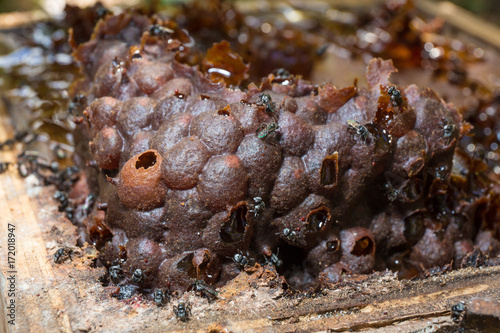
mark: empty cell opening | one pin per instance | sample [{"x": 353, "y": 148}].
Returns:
[
  {"x": 414, "y": 227},
  {"x": 186, "y": 265},
  {"x": 363, "y": 246},
  {"x": 224, "y": 112},
  {"x": 233, "y": 229},
  {"x": 146, "y": 160},
  {"x": 329, "y": 171},
  {"x": 203, "y": 266},
  {"x": 318, "y": 218},
  {"x": 332, "y": 246}
]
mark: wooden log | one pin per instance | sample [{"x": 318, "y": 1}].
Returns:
[{"x": 462, "y": 20}]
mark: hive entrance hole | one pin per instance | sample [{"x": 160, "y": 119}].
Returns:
[
  {"x": 294, "y": 259},
  {"x": 146, "y": 160}
]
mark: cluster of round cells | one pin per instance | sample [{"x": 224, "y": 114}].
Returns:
[{"x": 200, "y": 180}]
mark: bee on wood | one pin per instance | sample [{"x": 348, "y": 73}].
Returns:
[
  {"x": 395, "y": 94},
  {"x": 63, "y": 254},
  {"x": 160, "y": 297},
  {"x": 124, "y": 292},
  {"x": 241, "y": 260},
  {"x": 266, "y": 130},
  {"x": 138, "y": 277},
  {"x": 200, "y": 287},
  {"x": 359, "y": 130},
  {"x": 457, "y": 311},
  {"x": 182, "y": 311},
  {"x": 115, "y": 271},
  {"x": 258, "y": 206}
]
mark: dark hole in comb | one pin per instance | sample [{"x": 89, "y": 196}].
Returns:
[
  {"x": 318, "y": 218},
  {"x": 204, "y": 264},
  {"x": 146, "y": 160},
  {"x": 332, "y": 246},
  {"x": 414, "y": 227},
  {"x": 329, "y": 170},
  {"x": 224, "y": 112},
  {"x": 413, "y": 190},
  {"x": 363, "y": 246},
  {"x": 186, "y": 265},
  {"x": 233, "y": 230}
]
